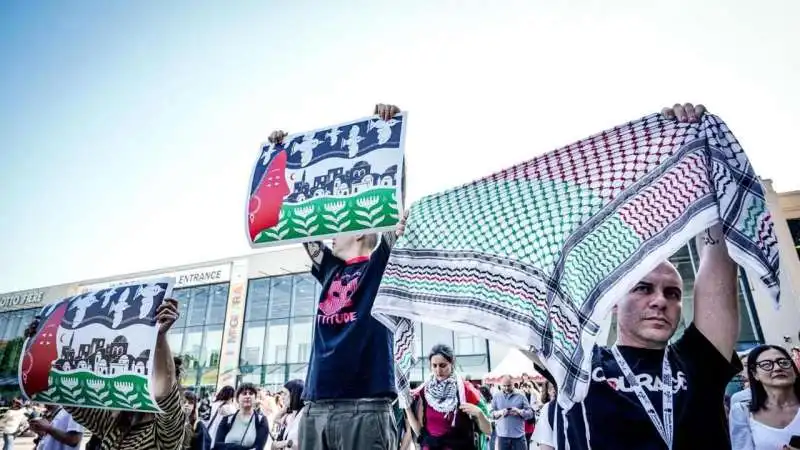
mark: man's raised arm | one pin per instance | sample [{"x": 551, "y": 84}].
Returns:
[{"x": 716, "y": 303}]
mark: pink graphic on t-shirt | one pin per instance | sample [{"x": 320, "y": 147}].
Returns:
[{"x": 339, "y": 296}]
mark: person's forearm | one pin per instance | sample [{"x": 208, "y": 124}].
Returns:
[
  {"x": 164, "y": 368},
  {"x": 483, "y": 423},
  {"x": 70, "y": 438},
  {"x": 716, "y": 303},
  {"x": 413, "y": 422}
]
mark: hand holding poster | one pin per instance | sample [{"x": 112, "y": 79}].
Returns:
[
  {"x": 342, "y": 179},
  {"x": 96, "y": 350}
]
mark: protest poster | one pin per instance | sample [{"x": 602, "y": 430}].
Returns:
[
  {"x": 343, "y": 179},
  {"x": 96, "y": 349}
]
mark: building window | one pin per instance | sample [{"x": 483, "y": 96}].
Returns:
[
  {"x": 12, "y": 325},
  {"x": 277, "y": 338},
  {"x": 470, "y": 351},
  {"x": 197, "y": 334},
  {"x": 279, "y": 327},
  {"x": 794, "y": 229}
]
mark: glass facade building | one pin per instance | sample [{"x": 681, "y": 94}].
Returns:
[
  {"x": 794, "y": 230},
  {"x": 266, "y": 337},
  {"x": 12, "y": 326},
  {"x": 197, "y": 334},
  {"x": 278, "y": 328}
]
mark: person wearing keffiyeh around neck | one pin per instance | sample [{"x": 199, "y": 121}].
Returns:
[{"x": 448, "y": 411}]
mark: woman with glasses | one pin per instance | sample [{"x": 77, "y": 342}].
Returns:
[{"x": 770, "y": 418}]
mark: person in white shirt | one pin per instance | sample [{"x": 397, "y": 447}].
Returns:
[
  {"x": 10, "y": 422},
  {"x": 61, "y": 432},
  {"x": 771, "y": 417},
  {"x": 543, "y": 437},
  {"x": 222, "y": 407}
]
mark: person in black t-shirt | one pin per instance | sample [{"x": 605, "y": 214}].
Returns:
[
  {"x": 626, "y": 405},
  {"x": 350, "y": 382}
]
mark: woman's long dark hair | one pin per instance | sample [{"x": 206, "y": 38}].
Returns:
[
  {"x": 225, "y": 394},
  {"x": 295, "y": 388},
  {"x": 544, "y": 396},
  {"x": 191, "y": 397},
  {"x": 758, "y": 395}
]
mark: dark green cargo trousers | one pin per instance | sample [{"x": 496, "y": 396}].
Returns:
[{"x": 363, "y": 424}]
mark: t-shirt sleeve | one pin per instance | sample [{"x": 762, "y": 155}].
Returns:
[
  {"x": 380, "y": 256},
  {"x": 72, "y": 425},
  {"x": 170, "y": 424},
  {"x": 703, "y": 360},
  {"x": 325, "y": 264}
]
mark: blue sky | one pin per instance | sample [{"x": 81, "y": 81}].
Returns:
[{"x": 127, "y": 129}]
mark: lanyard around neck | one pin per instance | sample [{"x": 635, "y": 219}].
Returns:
[{"x": 666, "y": 427}]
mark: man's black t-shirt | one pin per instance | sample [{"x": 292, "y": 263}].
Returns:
[
  {"x": 616, "y": 418},
  {"x": 352, "y": 353}
]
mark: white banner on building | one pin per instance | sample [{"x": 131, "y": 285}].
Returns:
[{"x": 184, "y": 278}]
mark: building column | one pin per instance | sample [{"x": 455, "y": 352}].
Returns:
[{"x": 234, "y": 323}]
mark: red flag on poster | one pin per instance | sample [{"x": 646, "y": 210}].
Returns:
[
  {"x": 265, "y": 203},
  {"x": 40, "y": 353}
]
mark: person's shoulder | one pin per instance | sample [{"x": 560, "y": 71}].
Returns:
[{"x": 741, "y": 396}]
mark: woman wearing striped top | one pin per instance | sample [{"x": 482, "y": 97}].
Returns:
[{"x": 125, "y": 430}]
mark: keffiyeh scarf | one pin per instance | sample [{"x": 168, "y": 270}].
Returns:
[
  {"x": 443, "y": 395},
  {"x": 538, "y": 254}
]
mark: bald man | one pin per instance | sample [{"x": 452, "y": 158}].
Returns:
[{"x": 627, "y": 405}]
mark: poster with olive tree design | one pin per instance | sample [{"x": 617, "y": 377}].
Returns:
[
  {"x": 343, "y": 179},
  {"x": 96, "y": 349}
]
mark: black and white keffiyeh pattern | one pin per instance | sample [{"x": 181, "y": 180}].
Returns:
[{"x": 442, "y": 395}]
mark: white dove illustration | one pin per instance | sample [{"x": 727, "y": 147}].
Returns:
[
  {"x": 306, "y": 148},
  {"x": 107, "y": 297},
  {"x": 148, "y": 292},
  {"x": 80, "y": 306},
  {"x": 333, "y": 135},
  {"x": 384, "y": 128},
  {"x": 352, "y": 141},
  {"x": 118, "y": 308}
]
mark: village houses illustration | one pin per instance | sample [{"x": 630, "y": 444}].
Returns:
[
  {"x": 101, "y": 359},
  {"x": 337, "y": 182}
]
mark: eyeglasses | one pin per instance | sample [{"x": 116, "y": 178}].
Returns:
[{"x": 767, "y": 365}]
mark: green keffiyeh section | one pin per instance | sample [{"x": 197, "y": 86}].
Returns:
[{"x": 538, "y": 254}]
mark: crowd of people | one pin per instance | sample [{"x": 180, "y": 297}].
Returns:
[{"x": 648, "y": 391}]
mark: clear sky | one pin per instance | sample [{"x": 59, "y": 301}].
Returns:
[{"x": 128, "y": 128}]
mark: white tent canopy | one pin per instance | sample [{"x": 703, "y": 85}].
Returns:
[{"x": 515, "y": 364}]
